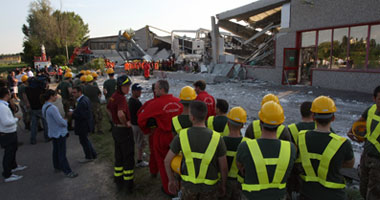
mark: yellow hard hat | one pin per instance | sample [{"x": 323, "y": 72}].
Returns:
[
  {"x": 82, "y": 72},
  {"x": 94, "y": 74},
  {"x": 323, "y": 105},
  {"x": 359, "y": 129},
  {"x": 176, "y": 164},
  {"x": 271, "y": 113},
  {"x": 88, "y": 72},
  {"x": 89, "y": 78},
  {"x": 110, "y": 71},
  {"x": 68, "y": 75},
  {"x": 24, "y": 78},
  {"x": 237, "y": 114},
  {"x": 187, "y": 94},
  {"x": 83, "y": 78},
  {"x": 270, "y": 97},
  {"x": 68, "y": 70}
]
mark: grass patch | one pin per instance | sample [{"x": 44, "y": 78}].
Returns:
[{"x": 146, "y": 187}]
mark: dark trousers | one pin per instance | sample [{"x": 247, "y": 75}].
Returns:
[
  {"x": 59, "y": 155},
  {"x": 124, "y": 154},
  {"x": 369, "y": 177},
  {"x": 8, "y": 142},
  {"x": 89, "y": 151}
]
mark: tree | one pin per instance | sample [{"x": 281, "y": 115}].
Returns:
[{"x": 54, "y": 29}]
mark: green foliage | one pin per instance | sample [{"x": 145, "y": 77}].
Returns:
[
  {"x": 52, "y": 28},
  {"x": 97, "y": 63},
  {"x": 59, "y": 60}
]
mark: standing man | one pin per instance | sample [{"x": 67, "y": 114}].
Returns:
[
  {"x": 134, "y": 105},
  {"x": 8, "y": 138},
  {"x": 12, "y": 84},
  {"x": 218, "y": 123},
  {"x": 323, "y": 154},
  {"x": 370, "y": 159},
  {"x": 161, "y": 111},
  {"x": 83, "y": 123},
  {"x": 200, "y": 87},
  {"x": 122, "y": 134},
  {"x": 204, "y": 154},
  {"x": 109, "y": 86},
  {"x": 266, "y": 162},
  {"x": 182, "y": 121},
  {"x": 23, "y": 99},
  {"x": 307, "y": 122},
  {"x": 93, "y": 93},
  {"x": 64, "y": 89}
]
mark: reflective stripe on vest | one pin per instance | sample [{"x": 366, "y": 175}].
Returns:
[
  {"x": 374, "y": 135},
  {"x": 206, "y": 158},
  {"x": 176, "y": 124},
  {"x": 294, "y": 132},
  {"x": 233, "y": 172},
  {"x": 324, "y": 160},
  {"x": 257, "y": 129},
  {"x": 282, "y": 163},
  {"x": 210, "y": 125}
]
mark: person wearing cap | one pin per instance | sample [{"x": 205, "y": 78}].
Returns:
[
  {"x": 122, "y": 134},
  {"x": 182, "y": 121},
  {"x": 64, "y": 89},
  {"x": 202, "y": 95},
  {"x": 218, "y": 122},
  {"x": 134, "y": 105},
  {"x": 236, "y": 119},
  {"x": 266, "y": 162},
  {"x": 204, "y": 162},
  {"x": 23, "y": 99},
  {"x": 322, "y": 154},
  {"x": 93, "y": 93},
  {"x": 161, "y": 111},
  {"x": 254, "y": 129}
]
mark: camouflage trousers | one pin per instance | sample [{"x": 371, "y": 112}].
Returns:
[
  {"x": 67, "y": 104},
  {"x": 199, "y": 193},
  {"x": 233, "y": 190},
  {"x": 369, "y": 177},
  {"x": 97, "y": 113}
]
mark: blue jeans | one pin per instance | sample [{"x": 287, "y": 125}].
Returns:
[
  {"x": 89, "y": 151},
  {"x": 36, "y": 114},
  {"x": 59, "y": 155}
]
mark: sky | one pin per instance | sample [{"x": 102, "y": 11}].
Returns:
[{"x": 106, "y": 18}]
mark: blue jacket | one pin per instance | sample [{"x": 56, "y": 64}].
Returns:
[
  {"x": 57, "y": 126},
  {"x": 83, "y": 117}
]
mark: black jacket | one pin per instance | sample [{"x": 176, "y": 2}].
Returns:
[{"x": 83, "y": 117}]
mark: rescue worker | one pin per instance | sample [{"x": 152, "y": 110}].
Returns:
[
  {"x": 77, "y": 81},
  {"x": 122, "y": 134},
  {"x": 93, "y": 93},
  {"x": 83, "y": 82},
  {"x": 146, "y": 68},
  {"x": 266, "y": 162},
  {"x": 307, "y": 122},
  {"x": 370, "y": 158},
  {"x": 95, "y": 76},
  {"x": 236, "y": 119},
  {"x": 209, "y": 100},
  {"x": 218, "y": 123},
  {"x": 204, "y": 157},
  {"x": 182, "y": 121},
  {"x": 109, "y": 87},
  {"x": 161, "y": 110},
  {"x": 254, "y": 129},
  {"x": 23, "y": 101},
  {"x": 64, "y": 89},
  {"x": 323, "y": 154}
]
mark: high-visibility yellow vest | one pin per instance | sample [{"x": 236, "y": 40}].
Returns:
[
  {"x": 233, "y": 172},
  {"x": 257, "y": 129},
  {"x": 372, "y": 136},
  {"x": 282, "y": 163},
  {"x": 206, "y": 158},
  {"x": 295, "y": 132},
  {"x": 324, "y": 160},
  {"x": 176, "y": 124},
  {"x": 210, "y": 125}
]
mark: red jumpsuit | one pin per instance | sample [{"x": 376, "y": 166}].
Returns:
[
  {"x": 162, "y": 109},
  {"x": 146, "y": 70},
  {"x": 209, "y": 100}
]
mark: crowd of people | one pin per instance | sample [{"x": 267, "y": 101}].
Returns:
[{"x": 195, "y": 141}]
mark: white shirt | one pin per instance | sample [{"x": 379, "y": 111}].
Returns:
[
  {"x": 8, "y": 123},
  {"x": 30, "y": 74}
]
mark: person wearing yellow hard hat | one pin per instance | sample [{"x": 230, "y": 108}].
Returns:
[
  {"x": 64, "y": 89},
  {"x": 198, "y": 145},
  {"x": 370, "y": 158},
  {"x": 23, "y": 101},
  {"x": 266, "y": 162},
  {"x": 322, "y": 154},
  {"x": 87, "y": 72},
  {"x": 182, "y": 121},
  {"x": 109, "y": 86},
  {"x": 93, "y": 93},
  {"x": 237, "y": 117},
  {"x": 254, "y": 129},
  {"x": 218, "y": 122}
]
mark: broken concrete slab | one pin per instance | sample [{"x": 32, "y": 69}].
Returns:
[
  {"x": 223, "y": 69},
  {"x": 189, "y": 77},
  {"x": 152, "y": 51},
  {"x": 163, "y": 54}
]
